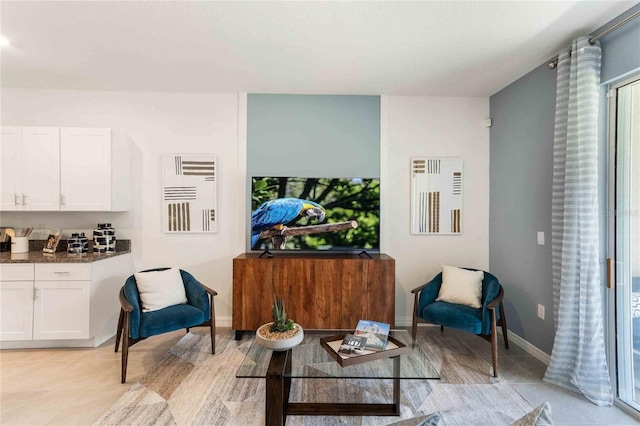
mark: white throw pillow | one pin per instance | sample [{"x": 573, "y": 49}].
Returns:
[
  {"x": 461, "y": 286},
  {"x": 159, "y": 289}
]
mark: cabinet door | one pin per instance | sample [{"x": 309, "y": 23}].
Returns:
[
  {"x": 368, "y": 291},
  {"x": 16, "y": 310},
  {"x": 61, "y": 310},
  {"x": 41, "y": 168},
  {"x": 252, "y": 296},
  {"x": 11, "y": 168},
  {"x": 311, "y": 291},
  {"x": 85, "y": 159},
  {"x": 380, "y": 290},
  {"x": 354, "y": 294}
]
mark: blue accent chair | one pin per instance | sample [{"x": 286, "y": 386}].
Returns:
[
  {"x": 480, "y": 321},
  {"x": 138, "y": 325}
]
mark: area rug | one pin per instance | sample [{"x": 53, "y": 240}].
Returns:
[{"x": 192, "y": 387}]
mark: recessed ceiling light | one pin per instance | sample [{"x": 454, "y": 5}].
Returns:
[{"x": 4, "y": 42}]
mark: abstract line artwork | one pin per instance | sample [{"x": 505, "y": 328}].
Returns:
[
  {"x": 189, "y": 193},
  {"x": 436, "y": 195}
]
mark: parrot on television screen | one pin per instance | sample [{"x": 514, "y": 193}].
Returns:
[{"x": 278, "y": 213}]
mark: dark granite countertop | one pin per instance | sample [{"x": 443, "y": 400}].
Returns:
[{"x": 36, "y": 255}]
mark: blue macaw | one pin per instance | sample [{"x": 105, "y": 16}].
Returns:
[{"x": 278, "y": 213}]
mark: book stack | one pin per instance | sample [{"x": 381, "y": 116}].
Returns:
[
  {"x": 369, "y": 341},
  {"x": 375, "y": 333}
]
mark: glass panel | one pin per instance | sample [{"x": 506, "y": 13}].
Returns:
[
  {"x": 311, "y": 360},
  {"x": 627, "y": 244}
]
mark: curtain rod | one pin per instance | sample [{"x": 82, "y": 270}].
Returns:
[{"x": 612, "y": 28}]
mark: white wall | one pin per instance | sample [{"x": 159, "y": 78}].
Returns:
[
  {"x": 162, "y": 123},
  {"x": 158, "y": 123},
  {"x": 432, "y": 127}
]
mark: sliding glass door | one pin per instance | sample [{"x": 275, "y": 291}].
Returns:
[{"x": 624, "y": 239}]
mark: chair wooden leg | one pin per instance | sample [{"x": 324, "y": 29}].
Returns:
[
  {"x": 503, "y": 323},
  {"x": 187, "y": 329},
  {"x": 494, "y": 343},
  {"x": 119, "y": 329},
  {"x": 212, "y": 325},
  {"x": 414, "y": 325},
  {"x": 125, "y": 348},
  {"x": 442, "y": 328}
]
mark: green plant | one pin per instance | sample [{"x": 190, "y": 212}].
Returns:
[{"x": 279, "y": 316}]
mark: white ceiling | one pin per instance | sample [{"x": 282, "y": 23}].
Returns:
[{"x": 435, "y": 48}]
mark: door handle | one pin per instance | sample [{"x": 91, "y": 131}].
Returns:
[{"x": 609, "y": 272}]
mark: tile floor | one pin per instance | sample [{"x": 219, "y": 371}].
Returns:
[{"x": 76, "y": 386}]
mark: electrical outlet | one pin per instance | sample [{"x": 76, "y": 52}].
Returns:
[
  {"x": 540, "y": 311},
  {"x": 541, "y": 238}
]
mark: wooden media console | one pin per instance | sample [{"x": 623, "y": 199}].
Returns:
[{"x": 321, "y": 291}]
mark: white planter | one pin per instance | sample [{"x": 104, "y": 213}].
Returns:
[{"x": 280, "y": 344}]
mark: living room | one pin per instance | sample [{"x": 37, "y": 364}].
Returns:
[{"x": 508, "y": 166}]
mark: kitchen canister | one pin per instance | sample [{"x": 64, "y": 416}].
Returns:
[
  {"x": 19, "y": 244},
  {"x": 78, "y": 244},
  {"x": 104, "y": 239}
]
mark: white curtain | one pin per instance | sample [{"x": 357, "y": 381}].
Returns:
[{"x": 578, "y": 359}]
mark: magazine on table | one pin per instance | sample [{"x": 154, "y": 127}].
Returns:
[
  {"x": 353, "y": 346},
  {"x": 376, "y": 334},
  {"x": 348, "y": 349}
]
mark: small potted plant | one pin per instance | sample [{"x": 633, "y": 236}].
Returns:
[{"x": 281, "y": 334}]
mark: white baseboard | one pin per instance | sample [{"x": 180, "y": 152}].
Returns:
[
  {"x": 513, "y": 338},
  {"x": 37, "y": 344},
  {"x": 223, "y": 321},
  {"x": 534, "y": 351},
  {"x": 404, "y": 321}
]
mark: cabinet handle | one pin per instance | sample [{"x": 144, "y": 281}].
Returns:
[
  {"x": 35, "y": 293},
  {"x": 61, "y": 272},
  {"x": 16, "y": 199},
  {"x": 62, "y": 200},
  {"x": 24, "y": 199}
]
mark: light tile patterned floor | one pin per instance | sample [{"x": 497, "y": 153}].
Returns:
[{"x": 76, "y": 386}]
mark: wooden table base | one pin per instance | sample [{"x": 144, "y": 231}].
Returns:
[{"x": 278, "y": 384}]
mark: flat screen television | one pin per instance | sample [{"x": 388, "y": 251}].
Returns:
[{"x": 309, "y": 214}]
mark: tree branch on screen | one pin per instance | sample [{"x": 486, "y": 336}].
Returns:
[{"x": 279, "y": 236}]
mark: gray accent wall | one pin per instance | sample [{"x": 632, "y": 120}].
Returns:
[
  {"x": 312, "y": 136},
  {"x": 521, "y": 158},
  {"x": 521, "y": 153},
  {"x": 621, "y": 48}
]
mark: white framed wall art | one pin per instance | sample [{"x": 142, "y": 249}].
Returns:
[
  {"x": 436, "y": 196},
  {"x": 189, "y": 193}
]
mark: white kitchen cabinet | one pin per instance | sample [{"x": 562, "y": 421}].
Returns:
[
  {"x": 16, "y": 302},
  {"x": 61, "y": 304},
  {"x": 30, "y": 163},
  {"x": 94, "y": 170},
  {"x": 11, "y": 168},
  {"x": 61, "y": 310},
  {"x": 68, "y": 169},
  {"x": 62, "y": 301}
]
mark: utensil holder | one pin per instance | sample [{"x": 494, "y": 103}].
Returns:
[{"x": 20, "y": 245}]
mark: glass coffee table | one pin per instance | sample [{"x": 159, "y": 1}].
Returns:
[{"x": 310, "y": 361}]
